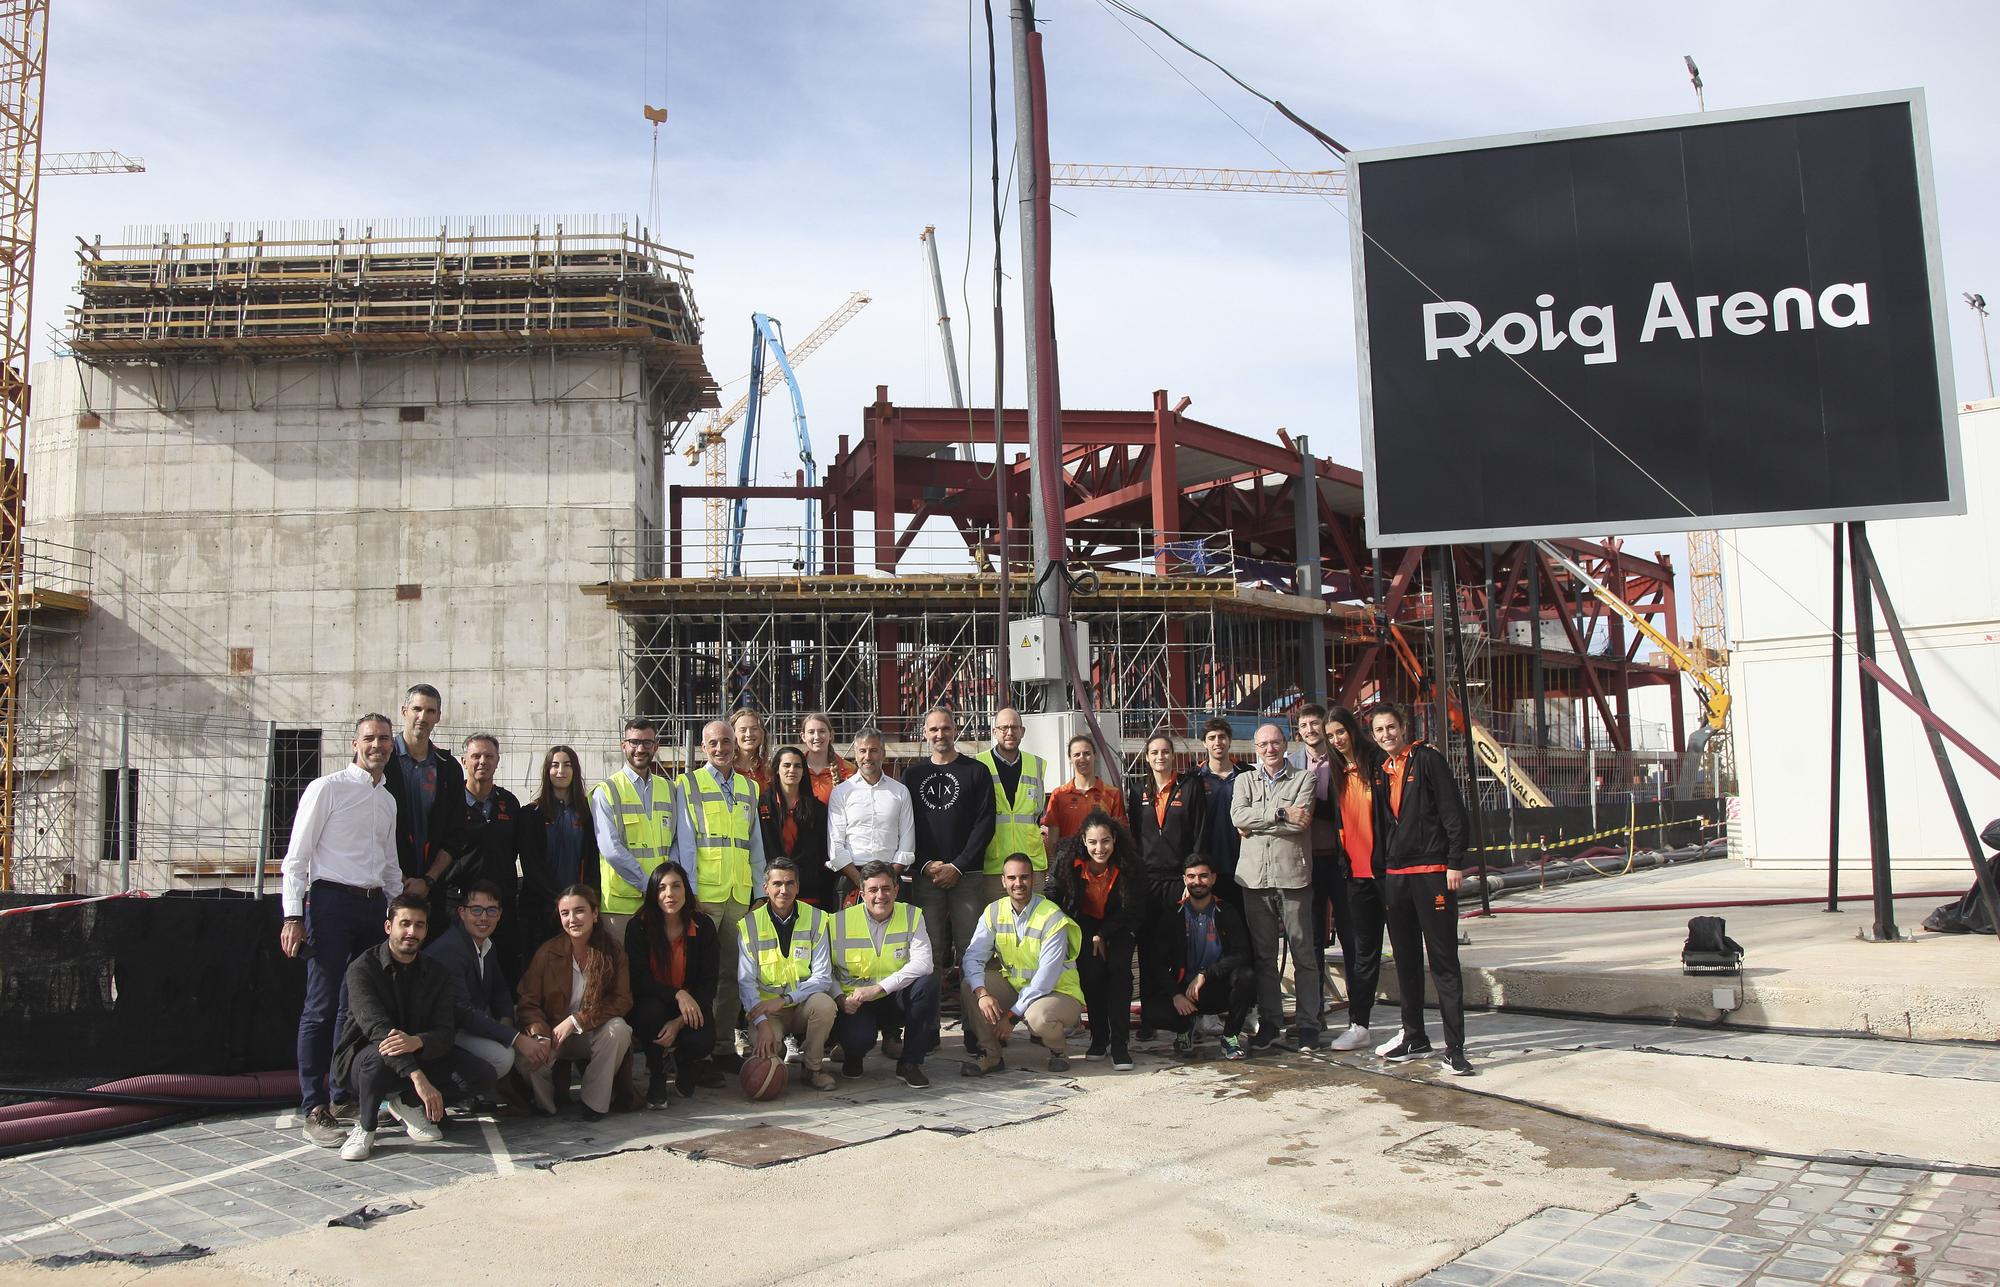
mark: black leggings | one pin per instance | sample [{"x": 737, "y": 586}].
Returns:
[
  {"x": 1107, "y": 989},
  {"x": 1364, "y": 950}
]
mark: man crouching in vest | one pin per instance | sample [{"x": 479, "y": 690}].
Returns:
[
  {"x": 1035, "y": 947},
  {"x": 784, "y": 972}
]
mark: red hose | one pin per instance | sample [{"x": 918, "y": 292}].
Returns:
[
  {"x": 1697, "y": 907},
  {"x": 59, "y": 1117}
]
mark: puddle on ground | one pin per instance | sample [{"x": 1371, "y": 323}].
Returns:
[{"x": 1564, "y": 1142}]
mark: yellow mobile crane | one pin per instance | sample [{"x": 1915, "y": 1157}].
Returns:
[{"x": 1714, "y": 697}]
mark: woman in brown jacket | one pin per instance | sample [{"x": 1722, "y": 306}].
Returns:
[{"x": 575, "y": 996}]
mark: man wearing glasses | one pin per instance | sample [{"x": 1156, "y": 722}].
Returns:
[
  {"x": 481, "y": 996},
  {"x": 633, "y": 811}
]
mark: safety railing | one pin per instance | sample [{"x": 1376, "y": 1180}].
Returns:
[{"x": 643, "y": 554}]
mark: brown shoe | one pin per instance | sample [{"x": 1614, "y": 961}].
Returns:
[{"x": 821, "y": 1079}]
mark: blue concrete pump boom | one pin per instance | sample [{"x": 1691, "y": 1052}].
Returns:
[{"x": 765, "y": 331}]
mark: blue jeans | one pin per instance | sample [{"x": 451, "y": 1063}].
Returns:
[
  {"x": 340, "y": 925},
  {"x": 914, "y": 1010}
]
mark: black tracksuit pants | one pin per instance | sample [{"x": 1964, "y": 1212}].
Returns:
[
  {"x": 1423, "y": 920},
  {"x": 1363, "y": 952},
  {"x": 1332, "y": 918}
]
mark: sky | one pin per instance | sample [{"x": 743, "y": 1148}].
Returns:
[{"x": 809, "y": 143}]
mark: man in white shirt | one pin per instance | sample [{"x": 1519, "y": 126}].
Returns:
[
  {"x": 868, "y": 816},
  {"x": 339, "y": 872}
]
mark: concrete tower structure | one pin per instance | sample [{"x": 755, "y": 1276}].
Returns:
[{"x": 315, "y": 465}]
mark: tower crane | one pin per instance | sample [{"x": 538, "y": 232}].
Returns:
[{"x": 710, "y": 448}]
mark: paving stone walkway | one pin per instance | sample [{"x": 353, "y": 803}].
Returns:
[
  {"x": 226, "y": 1181},
  {"x": 1778, "y": 1222},
  {"x": 1491, "y": 1034}
]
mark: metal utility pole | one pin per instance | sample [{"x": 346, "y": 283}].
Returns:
[
  {"x": 1043, "y": 397},
  {"x": 929, "y": 238},
  {"x": 1978, "y": 303}
]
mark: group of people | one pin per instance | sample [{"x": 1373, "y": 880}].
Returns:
[{"x": 460, "y": 944}]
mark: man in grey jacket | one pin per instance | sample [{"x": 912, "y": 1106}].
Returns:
[{"x": 1272, "y": 809}]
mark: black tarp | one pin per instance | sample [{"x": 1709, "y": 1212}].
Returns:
[
  {"x": 1522, "y": 835},
  {"x": 176, "y": 983}
]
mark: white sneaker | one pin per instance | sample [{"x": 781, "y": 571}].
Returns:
[
  {"x": 794, "y": 1050},
  {"x": 422, "y": 1129},
  {"x": 359, "y": 1145},
  {"x": 1354, "y": 1038}
]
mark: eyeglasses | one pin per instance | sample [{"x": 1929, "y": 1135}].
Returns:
[
  {"x": 482, "y": 912},
  {"x": 642, "y": 741}
]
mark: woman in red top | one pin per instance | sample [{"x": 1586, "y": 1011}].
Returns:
[
  {"x": 752, "y": 748},
  {"x": 1096, "y": 879},
  {"x": 675, "y": 955},
  {"x": 1356, "y": 757},
  {"x": 793, "y": 819},
  {"x": 824, "y": 767},
  {"x": 1075, "y": 800}
]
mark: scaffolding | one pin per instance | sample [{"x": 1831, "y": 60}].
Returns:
[
  {"x": 187, "y": 295},
  {"x": 56, "y": 583},
  {"x": 1191, "y": 570}
]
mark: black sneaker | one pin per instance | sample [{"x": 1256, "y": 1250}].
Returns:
[
  {"x": 1460, "y": 1066},
  {"x": 592, "y": 1115},
  {"x": 1265, "y": 1038},
  {"x": 850, "y": 1067},
  {"x": 727, "y": 1061},
  {"x": 912, "y": 1075},
  {"x": 1402, "y": 1050},
  {"x": 1184, "y": 1044},
  {"x": 1144, "y": 1034},
  {"x": 1096, "y": 1051},
  {"x": 1121, "y": 1060},
  {"x": 708, "y": 1076}
]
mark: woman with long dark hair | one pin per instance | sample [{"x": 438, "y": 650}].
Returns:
[
  {"x": 1096, "y": 879},
  {"x": 558, "y": 843},
  {"x": 794, "y": 824},
  {"x": 1168, "y": 813},
  {"x": 575, "y": 996},
  {"x": 1356, "y": 757},
  {"x": 675, "y": 954}
]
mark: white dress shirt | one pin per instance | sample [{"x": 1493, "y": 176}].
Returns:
[
  {"x": 345, "y": 831},
  {"x": 870, "y": 823}
]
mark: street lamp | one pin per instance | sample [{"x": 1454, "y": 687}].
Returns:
[{"x": 1978, "y": 305}]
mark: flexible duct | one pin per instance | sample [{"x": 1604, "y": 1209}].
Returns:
[{"x": 132, "y": 1102}]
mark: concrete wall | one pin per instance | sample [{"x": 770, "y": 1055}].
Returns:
[
  {"x": 1944, "y": 577},
  {"x": 252, "y": 525}
]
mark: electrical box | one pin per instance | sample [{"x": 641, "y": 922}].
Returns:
[{"x": 1034, "y": 649}]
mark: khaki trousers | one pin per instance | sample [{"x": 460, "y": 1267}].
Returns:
[
  {"x": 604, "y": 1048},
  {"x": 1048, "y": 1018},
  {"x": 811, "y": 1019},
  {"x": 729, "y": 918}
]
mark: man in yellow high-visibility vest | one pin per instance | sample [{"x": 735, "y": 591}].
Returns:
[
  {"x": 721, "y": 847},
  {"x": 882, "y": 968},
  {"x": 632, "y": 812},
  {"x": 784, "y": 974},
  {"x": 1021, "y": 968},
  {"x": 1020, "y": 793}
]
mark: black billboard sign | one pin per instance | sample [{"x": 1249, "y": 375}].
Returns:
[{"x": 1748, "y": 305}]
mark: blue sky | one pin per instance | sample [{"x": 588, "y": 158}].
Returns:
[{"x": 809, "y": 143}]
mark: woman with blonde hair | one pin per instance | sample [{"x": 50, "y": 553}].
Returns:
[{"x": 752, "y": 748}]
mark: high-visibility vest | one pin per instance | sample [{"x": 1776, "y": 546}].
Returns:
[
  {"x": 1017, "y": 822},
  {"x": 721, "y": 834},
  {"x": 1018, "y": 946},
  {"x": 649, "y": 835},
  {"x": 855, "y": 958},
  {"x": 779, "y": 971}
]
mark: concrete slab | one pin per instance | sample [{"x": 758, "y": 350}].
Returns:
[{"x": 1803, "y": 967}]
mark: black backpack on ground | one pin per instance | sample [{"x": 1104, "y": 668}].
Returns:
[{"x": 1968, "y": 914}]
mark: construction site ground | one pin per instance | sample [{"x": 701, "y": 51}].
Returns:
[
  {"x": 1585, "y": 1152},
  {"x": 1803, "y": 967}
]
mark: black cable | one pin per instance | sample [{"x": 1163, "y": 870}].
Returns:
[{"x": 1325, "y": 140}]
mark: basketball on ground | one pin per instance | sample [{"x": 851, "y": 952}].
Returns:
[{"x": 763, "y": 1078}]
